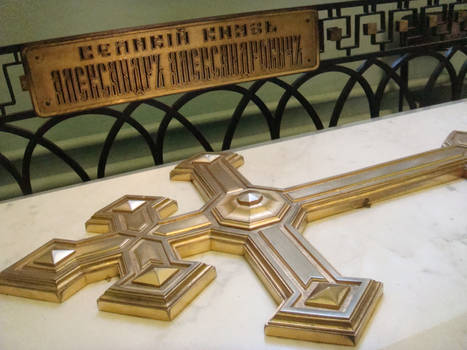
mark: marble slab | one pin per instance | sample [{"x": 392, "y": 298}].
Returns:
[{"x": 416, "y": 245}]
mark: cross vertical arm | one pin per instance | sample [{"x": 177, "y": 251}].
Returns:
[
  {"x": 60, "y": 267},
  {"x": 159, "y": 283},
  {"x": 363, "y": 187}
]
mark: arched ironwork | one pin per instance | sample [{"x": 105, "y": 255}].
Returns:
[{"x": 406, "y": 37}]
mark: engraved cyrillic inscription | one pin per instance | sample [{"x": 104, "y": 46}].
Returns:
[{"x": 78, "y": 73}]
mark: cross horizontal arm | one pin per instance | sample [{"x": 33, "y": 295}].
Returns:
[
  {"x": 315, "y": 302},
  {"x": 212, "y": 174}
]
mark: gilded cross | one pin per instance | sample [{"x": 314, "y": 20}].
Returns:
[{"x": 147, "y": 247}]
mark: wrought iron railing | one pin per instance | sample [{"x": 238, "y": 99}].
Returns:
[{"x": 396, "y": 32}]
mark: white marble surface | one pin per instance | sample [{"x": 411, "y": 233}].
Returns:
[{"x": 416, "y": 245}]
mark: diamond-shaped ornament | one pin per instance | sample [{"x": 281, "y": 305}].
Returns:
[
  {"x": 206, "y": 158},
  {"x": 130, "y": 205},
  {"x": 53, "y": 256},
  {"x": 328, "y": 295},
  {"x": 250, "y": 198},
  {"x": 155, "y": 277}
]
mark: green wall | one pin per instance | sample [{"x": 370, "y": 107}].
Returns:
[
  {"x": 31, "y": 20},
  {"x": 24, "y": 21}
]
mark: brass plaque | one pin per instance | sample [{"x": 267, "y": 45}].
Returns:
[{"x": 88, "y": 71}]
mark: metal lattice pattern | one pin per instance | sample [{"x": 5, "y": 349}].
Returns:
[{"x": 399, "y": 32}]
